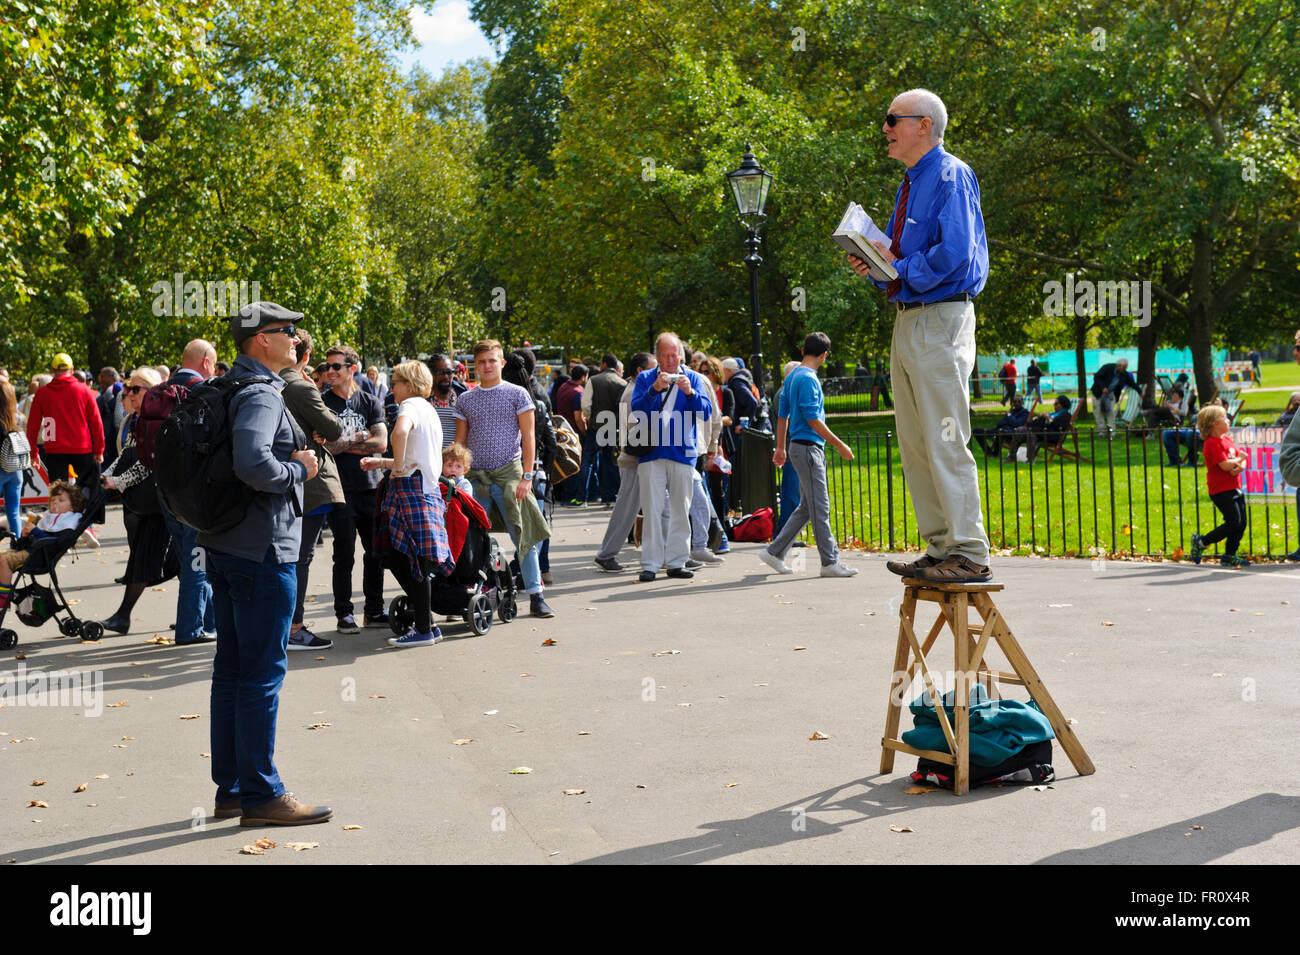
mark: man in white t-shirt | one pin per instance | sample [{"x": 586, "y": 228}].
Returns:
[{"x": 495, "y": 421}]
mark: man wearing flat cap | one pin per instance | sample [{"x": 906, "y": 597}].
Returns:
[{"x": 252, "y": 569}]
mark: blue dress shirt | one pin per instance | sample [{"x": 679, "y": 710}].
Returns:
[{"x": 944, "y": 252}]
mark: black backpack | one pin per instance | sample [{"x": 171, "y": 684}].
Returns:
[{"x": 194, "y": 464}]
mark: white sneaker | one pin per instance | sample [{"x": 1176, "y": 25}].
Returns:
[
  {"x": 705, "y": 556},
  {"x": 838, "y": 570},
  {"x": 776, "y": 563}
]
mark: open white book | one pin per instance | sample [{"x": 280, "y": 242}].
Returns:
[{"x": 854, "y": 235}]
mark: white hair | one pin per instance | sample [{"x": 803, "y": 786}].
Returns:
[
  {"x": 681, "y": 349},
  {"x": 928, "y": 104}
]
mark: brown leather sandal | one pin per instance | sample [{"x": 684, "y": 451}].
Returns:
[
  {"x": 956, "y": 569},
  {"x": 909, "y": 568}
]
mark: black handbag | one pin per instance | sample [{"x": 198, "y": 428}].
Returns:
[{"x": 639, "y": 439}]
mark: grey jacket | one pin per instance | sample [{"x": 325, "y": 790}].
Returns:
[
  {"x": 263, "y": 440},
  {"x": 304, "y": 401},
  {"x": 1289, "y": 455}
]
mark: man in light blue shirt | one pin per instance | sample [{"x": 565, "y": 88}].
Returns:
[
  {"x": 801, "y": 413},
  {"x": 938, "y": 248}
]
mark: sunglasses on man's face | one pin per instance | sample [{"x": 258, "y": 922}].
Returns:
[
  {"x": 337, "y": 365},
  {"x": 285, "y": 329},
  {"x": 891, "y": 119},
  {"x": 442, "y": 371}
]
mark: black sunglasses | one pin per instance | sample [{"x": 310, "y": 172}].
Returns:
[
  {"x": 286, "y": 329},
  {"x": 337, "y": 365},
  {"x": 132, "y": 389},
  {"x": 891, "y": 119}
]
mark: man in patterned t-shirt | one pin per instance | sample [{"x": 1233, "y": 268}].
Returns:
[{"x": 495, "y": 421}]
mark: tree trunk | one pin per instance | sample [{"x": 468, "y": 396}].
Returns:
[
  {"x": 1148, "y": 342},
  {"x": 1080, "y": 340},
  {"x": 1200, "y": 316}
]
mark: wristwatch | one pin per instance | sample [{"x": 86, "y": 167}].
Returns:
[{"x": 528, "y": 475}]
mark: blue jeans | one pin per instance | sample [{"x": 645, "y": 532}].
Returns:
[
  {"x": 194, "y": 613},
  {"x": 254, "y": 604},
  {"x": 11, "y": 486},
  {"x": 528, "y": 565},
  {"x": 790, "y": 496}
]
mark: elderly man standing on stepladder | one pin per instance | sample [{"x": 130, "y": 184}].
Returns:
[{"x": 937, "y": 246}]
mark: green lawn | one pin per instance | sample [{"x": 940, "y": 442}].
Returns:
[{"x": 1124, "y": 500}]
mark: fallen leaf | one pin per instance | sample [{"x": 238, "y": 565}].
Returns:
[
  {"x": 38, "y": 804},
  {"x": 525, "y": 674},
  {"x": 378, "y": 696},
  {"x": 351, "y": 827},
  {"x": 191, "y": 716},
  {"x": 251, "y": 850},
  {"x": 125, "y": 738},
  {"x": 640, "y": 786},
  {"x": 102, "y": 776},
  {"x": 548, "y": 642},
  {"x": 20, "y": 655},
  {"x": 118, "y": 703},
  {"x": 300, "y": 846},
  {"x": 574, "y": 792},
  {"x": 801, "y": 648},
  {"x": 319, "y": 726},
  {"x": 521, "y": 771},
  {"x": 264, "y": 843},
  {"x": 760, "y": 684},
  {"x": 205, "y": 755},
  {"x": 1216, "y": 674},
  {"x": 462, "y": 742},
  {"x": 664, "y": 653},
  {"x": 901, "y": 829},
  {"x": 82, "y": 788},
  {"x": 491, "y": 712},
  {"x": 786, "y": 601},
  {"x": 683, "y": 704},
  {"x": 92, "y": 805},
  {"x": 119, "y": 746},
  {"x": 1107, "y": 623},
  {"x": 38, "y": 782},
  {"x": 584, "y": 732},
  {"x": 729, "y": 785},
  {"x": 818, "y": 734},
  {"x": 588, "y": 608},
  {"x": 318, "y": 658},
  {"x": 918, "y": 790}
]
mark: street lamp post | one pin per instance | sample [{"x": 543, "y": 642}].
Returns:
[{"x": 749, "y": 185}]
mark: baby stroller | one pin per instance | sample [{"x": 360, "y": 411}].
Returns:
[
  {"x": 479, "y": 585},
  {"x": 34, "y": 603}
]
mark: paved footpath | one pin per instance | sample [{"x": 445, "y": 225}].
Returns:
[{"x": 684, "y": 711}]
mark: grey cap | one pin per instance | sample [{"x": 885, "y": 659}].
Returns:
[{"x": 245, "y": 323}]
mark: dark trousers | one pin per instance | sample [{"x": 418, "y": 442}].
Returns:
[
  {"x": 346, "y": 521},
  {"x": 416, "y": 590},
  {"x": 1232, "y": 505},
  {"x": 311, "y": 525},
  {"x": 56, "y": 466},
  {"x": 606, "y": 468}
]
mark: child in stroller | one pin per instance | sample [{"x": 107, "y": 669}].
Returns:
[
  {"x": 38, "y": 552},
  {"x": 478, "y": 586}
]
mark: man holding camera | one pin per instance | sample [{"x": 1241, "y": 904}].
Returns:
[{"x": 670, "y": 401}]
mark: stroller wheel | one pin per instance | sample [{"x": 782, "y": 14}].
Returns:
[
  {"x": 92, "y": 630},
  {"x": 479, "y": 615},
  {"x": 70, "y": 627},
  {"x": 508, "y": 610},
  {"x": 8, "y": 639},
  {"x": 400, "y": 615}
]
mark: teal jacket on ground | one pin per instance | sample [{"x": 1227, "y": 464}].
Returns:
[{"x": 998, "y": 728}]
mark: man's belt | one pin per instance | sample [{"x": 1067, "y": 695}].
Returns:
[{"x": 960, "y": 297}]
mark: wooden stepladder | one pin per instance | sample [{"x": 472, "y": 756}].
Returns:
[{"x": 970, "y": 643}]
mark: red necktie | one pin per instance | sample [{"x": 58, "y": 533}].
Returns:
[{"x": 900, "y": 217}]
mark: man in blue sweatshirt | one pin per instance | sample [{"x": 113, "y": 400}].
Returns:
[{"x": 669, "y": 402}]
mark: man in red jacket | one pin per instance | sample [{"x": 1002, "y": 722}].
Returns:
[{"x": 64, "y": 428}]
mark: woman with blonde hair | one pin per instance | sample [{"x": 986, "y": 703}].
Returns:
[
  {"x": 413, "y": 508},
  {"x": 151, "y": 559}
]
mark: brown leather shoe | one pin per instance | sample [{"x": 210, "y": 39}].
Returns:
[
  {"x": 227, "y": 810},
  {"x": 956, "y": 569},
  {"x": 909, "y": 568},
  {"x": 285, "y": 811}
]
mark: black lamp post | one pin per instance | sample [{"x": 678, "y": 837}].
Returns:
[{"x": 750, "y": 184}]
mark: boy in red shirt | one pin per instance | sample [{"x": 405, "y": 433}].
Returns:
[{"x": 1223, "y": 467}]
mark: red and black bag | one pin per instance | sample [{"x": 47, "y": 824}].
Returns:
[{"x": 755, "y": 528}]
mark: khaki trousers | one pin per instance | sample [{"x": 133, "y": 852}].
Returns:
[{"x": 931, "y": 360}]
